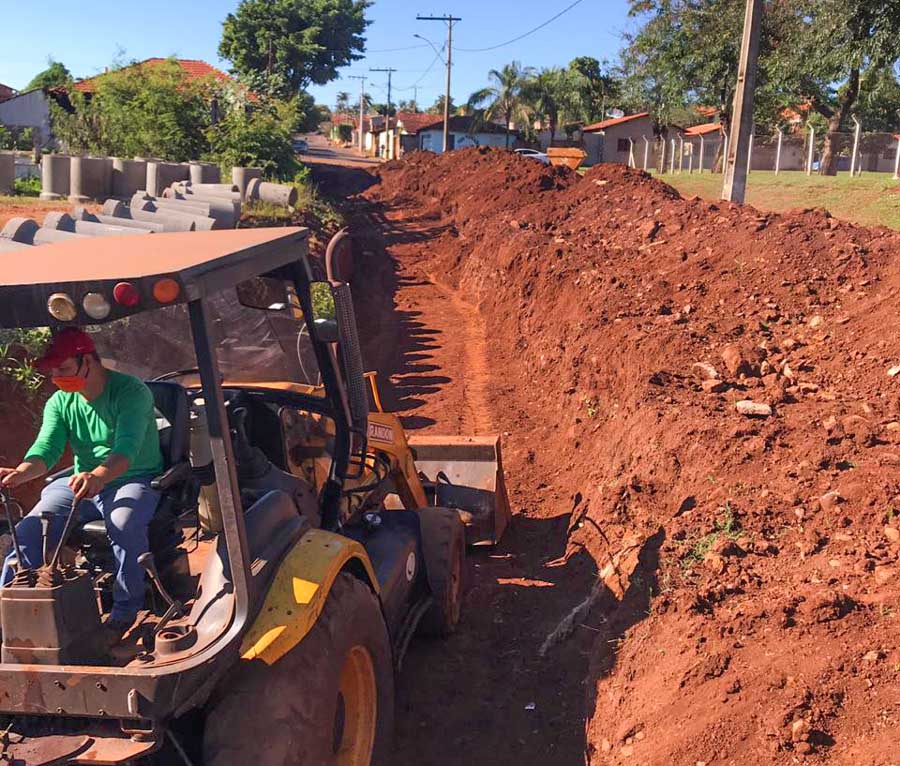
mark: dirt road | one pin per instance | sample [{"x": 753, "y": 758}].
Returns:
[{"x": 484, "y": 696}]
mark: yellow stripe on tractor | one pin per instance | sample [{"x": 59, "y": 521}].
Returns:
[{"x": 298, "y": 593}]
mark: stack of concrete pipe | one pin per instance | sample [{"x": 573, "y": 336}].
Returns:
[
  {"x": 147, "y": 212},
  {"x": 25, "y": 231}
]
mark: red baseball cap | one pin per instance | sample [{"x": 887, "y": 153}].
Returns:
[{"x": 67, "y": 343}]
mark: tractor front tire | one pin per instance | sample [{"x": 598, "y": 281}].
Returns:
[
  {"x": 444, "y": 547},
  {"x": 328, "y": 702}
]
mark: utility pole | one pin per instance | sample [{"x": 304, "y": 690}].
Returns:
[
  {"x": 389, "y": 73},
  {"x": 362, "y": 107},
  {"x": 742, "y": 118},
  {"x": 449, "y": 19}
]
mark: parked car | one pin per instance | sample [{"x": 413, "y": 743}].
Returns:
[
  {"x": 300, "y": 145},
  {"x": 533, "y": 154}
]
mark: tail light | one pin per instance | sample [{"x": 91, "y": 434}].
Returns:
[{"x": 126, "y": 294}]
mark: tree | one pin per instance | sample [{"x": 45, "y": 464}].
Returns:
[
  {"x": 438, "y": 106},
  {"x": 686, "y": 53},
  {"x": 408, "y": 106},
  {"x": 383, "y": 110},
  {"x": 835, "y": 46},
  {"x": 54, "y": 75},
  {"x": 596, "y": 86},
  {"x": 503, "y": 97},
  {"x": 550, "y": 97},
  {"x": 342, "y": 102},
  {"x": 306, "y": 41}
]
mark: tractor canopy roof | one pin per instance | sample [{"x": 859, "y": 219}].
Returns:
[{"x": 98, "y": 279}]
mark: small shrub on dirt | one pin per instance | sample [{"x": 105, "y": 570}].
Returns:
[
  {"x": 27, "y": 187},
  {"x": 728, "y": 527},
  {"x": 18, "y": 351}
]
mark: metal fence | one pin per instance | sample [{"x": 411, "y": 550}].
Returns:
[{"x": 857, "y": 152}]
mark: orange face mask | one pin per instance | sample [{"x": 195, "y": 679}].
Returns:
[{"x": 71, "y": 384}]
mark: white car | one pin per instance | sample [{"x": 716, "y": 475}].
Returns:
[{"x": 533, "y": 154}]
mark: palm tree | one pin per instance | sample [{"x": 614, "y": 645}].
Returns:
[
  {"x": 503, "y": 97},
  {"x": 342, "y": 102}
]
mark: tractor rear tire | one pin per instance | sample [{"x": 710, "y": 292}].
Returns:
[
  {"x": 328, "y": 702},
  {"x": 444, "y": 547}
]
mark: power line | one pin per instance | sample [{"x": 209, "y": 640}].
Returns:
[
  {"x": 425, "y": 73},
  {"x": 394, "y": 50},
  {"x": 523, "y": 36}
]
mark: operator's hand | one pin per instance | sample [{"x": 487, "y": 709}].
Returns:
[
  {"x": 86, "y": 484},
  {"x": 11, "y": 477}
]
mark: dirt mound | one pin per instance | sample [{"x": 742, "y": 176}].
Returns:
[{"x": 723, "y": 383}]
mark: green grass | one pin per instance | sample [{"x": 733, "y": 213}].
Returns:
[{"x": 870, "y": 200}]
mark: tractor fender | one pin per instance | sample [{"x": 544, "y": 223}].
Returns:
[{"x": 298, "y": 592}]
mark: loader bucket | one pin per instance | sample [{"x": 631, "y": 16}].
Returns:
[{"x": 466, "y": 473}]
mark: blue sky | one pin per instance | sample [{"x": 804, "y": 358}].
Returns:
[{"x": 89, "y": 39}]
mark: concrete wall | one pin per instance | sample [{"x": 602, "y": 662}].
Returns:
[{"x": 28, "y": 110}]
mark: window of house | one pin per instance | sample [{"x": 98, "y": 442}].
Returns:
[{"x": 622, "y": 145}]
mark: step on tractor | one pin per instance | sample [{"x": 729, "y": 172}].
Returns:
[{"x": 301, "y": 541}]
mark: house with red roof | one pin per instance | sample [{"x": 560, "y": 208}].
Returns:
[
  {"x": 194, "y": 69},
  {"x": 31, "y": 109},
  {"x": 6, "y": 92}
]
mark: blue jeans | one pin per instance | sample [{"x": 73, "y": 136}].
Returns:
[{"x": 127, "y": 511}]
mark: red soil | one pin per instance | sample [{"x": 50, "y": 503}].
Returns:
[{"x": 761, "y": 625}]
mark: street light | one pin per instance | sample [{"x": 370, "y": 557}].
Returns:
[{"x": 433, "y": 47}]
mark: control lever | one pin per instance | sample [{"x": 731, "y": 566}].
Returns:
[
  {"x": 176, "y": 608},
  {"x": 7, "y": 500},
  {"x": 46, "y": 517},
  {"x": 54, "y": 563}
]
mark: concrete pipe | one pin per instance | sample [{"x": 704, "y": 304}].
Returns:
[
  {"x": 7, "y": 172},
  {"x": 20, "y": 230},
  {"x": 80, "y": 214},
  {"x": 218, "y": 188},
  {"x": 163, "y": 174},
  {"x": 140, "y": 210},
  {"x": 202, "y": 192},
  {"x": 204, "y": 173},
  {"x": 55, "y": 175},
  {"x": 241, "y": 177},
  {"x": 65, "y": 222},
  {"x": 115, "y": 209},
  {"x": 50, "y": 236},
  {"x": 282, "y": 195},
  {"x": 223, "y": 212},
  {"x": 90, "y": 178},
  {"x": 8, "y": 246},
  {"x": 128, "y": 176}
]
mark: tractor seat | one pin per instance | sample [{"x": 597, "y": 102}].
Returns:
[{"x": 173, "y": 423}]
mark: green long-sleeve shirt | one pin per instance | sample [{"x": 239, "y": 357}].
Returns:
[{"x": 122, "y": 420}]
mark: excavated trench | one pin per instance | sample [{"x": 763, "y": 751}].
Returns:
[{"x": 613, "y": 333}]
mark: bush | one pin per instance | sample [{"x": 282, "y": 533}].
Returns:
[
  {"x": 27, "y": 187},
  {"x": 345, "y": 133},
  {"x": 149, "y": 111},
  {"x": 255, "y": 139},
  {"x": 6, "y": 138},
  {"x": 18, "y": 350}
]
